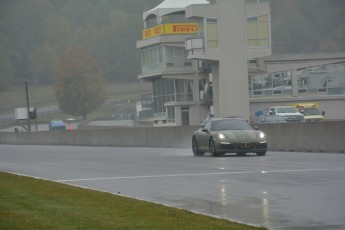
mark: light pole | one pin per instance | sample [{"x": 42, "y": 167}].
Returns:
[{"x": 27, "y": 105}]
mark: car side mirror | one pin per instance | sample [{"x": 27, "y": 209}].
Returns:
[
  {"x": 204, "y": 130},
  {"x": 256, "y": 128},
  {"x": 323, "y": 113}
]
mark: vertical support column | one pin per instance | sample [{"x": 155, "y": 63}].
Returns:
[
  {"x": 233, "y": 68},
  {"x": 294, "y": 82},
  {"x": 216, "y": 90}
]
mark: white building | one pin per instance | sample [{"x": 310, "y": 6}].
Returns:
[{"x": 213, "y": 58}]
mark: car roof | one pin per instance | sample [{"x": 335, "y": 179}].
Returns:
[
  {"x": 279, "y": 106},
  {"x": 227, "y": 118}
]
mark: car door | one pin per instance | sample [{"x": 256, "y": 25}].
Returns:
[{"x": 204, "y": 137}]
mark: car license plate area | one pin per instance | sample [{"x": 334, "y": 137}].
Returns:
[{"x": 245, "y": 145}]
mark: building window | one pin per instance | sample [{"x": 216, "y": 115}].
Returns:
[
  {"x": 163, "y": 91},
  {"x": 168, "y": 90},
  {"x": 177, "y": 57},
  {"x": 177, "y": 17},
  {"x": 171, "y": 114},
  {"x": 150, "y": 21},
  {"x": 211, "y": 33},
  {"x": 258, "y": 34},
  {"x": 184, "y": 90},
  {"x": 324, "y": 79},
  {"x": 151, "y": 59},
  {"x": 278, "y": 83},
  {"x": 185, "y": 115},
  {"x": 200, "y": 25}
]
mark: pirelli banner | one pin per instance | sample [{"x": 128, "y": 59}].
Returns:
[{"x": 172, "y": 28}]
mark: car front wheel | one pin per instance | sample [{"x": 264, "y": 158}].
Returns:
[
  {"x": 213, "y": 150},
  {"x": 261, "y": 153},
  {"x": 195, "y": 149}
]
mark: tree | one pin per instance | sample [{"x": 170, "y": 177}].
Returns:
[{"x": 79, "y": 85}]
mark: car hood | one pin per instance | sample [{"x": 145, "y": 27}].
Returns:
[
  {"x": 290, "y": 114},
  {"x": 241, "y": 134},
  {"x": 313, "y": 116}
]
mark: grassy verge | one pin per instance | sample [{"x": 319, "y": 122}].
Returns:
[
  {"x": 16, "y": 98},
  {"x": 27, "y": 203},
  {"x": 41, "y": 96}
]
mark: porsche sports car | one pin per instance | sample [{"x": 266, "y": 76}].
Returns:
[{"x": 228, "y": 135}]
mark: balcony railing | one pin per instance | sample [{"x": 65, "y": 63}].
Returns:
[{"x": 196, "y": 42}]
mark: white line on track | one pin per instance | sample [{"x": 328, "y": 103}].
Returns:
[{"x": 198, "y": 174}]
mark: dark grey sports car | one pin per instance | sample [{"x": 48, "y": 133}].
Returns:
[{"x": 228, "y": 135}]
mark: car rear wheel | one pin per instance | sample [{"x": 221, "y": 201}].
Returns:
[
  {"x": 261, "y": 153},
  {"x": 195, "y": 149},
  {"x": 213, "y": 150}
]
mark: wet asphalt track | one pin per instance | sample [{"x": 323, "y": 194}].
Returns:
[{"x": 283, "y": 190}]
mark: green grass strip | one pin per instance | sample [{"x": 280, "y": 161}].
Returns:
[{"x": 28, "y": 203}]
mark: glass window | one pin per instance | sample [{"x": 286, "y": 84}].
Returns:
[
  {"x": 184, "y": 90},
  {"x": 324, "y": 79},
  {"x": 167, "y": 90},
  {"x": 252, "y": 32},
  {"x": 271, "y": 84},
  {"x": 177, "y": 17},
  {"x": 151, "y": 59},
  {"x": 185, "y": 115},
  {"x": 171, "y": 114},
  {"x": 200, "y": 24},
  {"x": 177, "y": 57},
  {"x": 207, "y": 125},
  {"x": 263, "y": 31},
  {"x": 212, "y": 33},
  {"x": 163, "y": 92},
  {"x": 229, "y": 124},
  {"x": 258, "y": 34}
]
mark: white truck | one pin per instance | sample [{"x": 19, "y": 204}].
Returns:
[{"x": 289, "y": 113}]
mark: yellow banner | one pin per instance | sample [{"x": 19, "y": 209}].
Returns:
[
  {"x": 152, "y": 32},
  {"x": 172, "y": 28}
]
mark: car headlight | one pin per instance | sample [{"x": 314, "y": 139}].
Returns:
[
  {"x": 261, "y": 135},
  {"x": 221, "y": 136}
]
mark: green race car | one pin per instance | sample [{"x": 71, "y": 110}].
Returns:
[{"x": 228, "y": 135}]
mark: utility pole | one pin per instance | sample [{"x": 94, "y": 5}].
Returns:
[{"x": 27, "y": 105}]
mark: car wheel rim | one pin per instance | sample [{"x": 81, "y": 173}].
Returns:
[
  {"x": 194, "y": 147},
  {"x": 212, "y": 148}
]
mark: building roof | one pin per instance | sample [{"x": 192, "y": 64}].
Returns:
[{"x": 171, "y": 6}]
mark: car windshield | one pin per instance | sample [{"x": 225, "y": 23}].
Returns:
[
  {"x": 286, "y": 110},
  {"x": 310, "y": 111},
  {"x": 57, "y": 122},
  {"x": 230, "y": 124}
]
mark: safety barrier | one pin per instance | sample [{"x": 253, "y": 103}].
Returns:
[{"x": 327, "y": 136}]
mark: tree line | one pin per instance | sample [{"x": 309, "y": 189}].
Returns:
[{"x": 33, "y": 33}]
